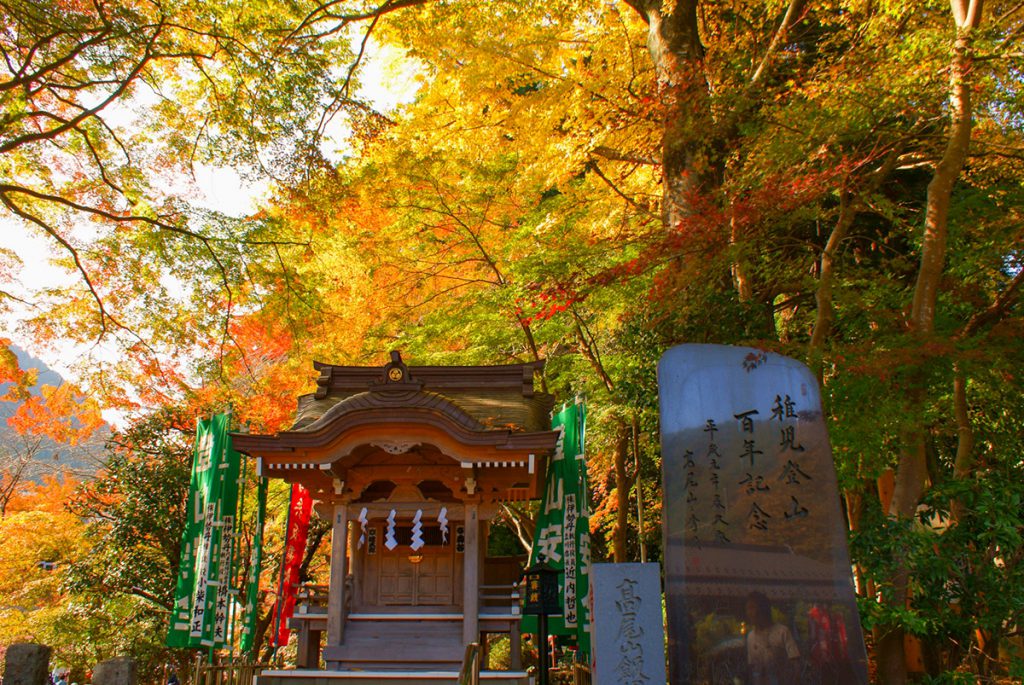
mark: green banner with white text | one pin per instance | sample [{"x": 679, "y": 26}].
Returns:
[
  {"x": 201, "y": 598},
  {"x": 562, "y": 536}
]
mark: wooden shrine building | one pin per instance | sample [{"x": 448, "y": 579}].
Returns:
[{"x": 410, "y": 464}]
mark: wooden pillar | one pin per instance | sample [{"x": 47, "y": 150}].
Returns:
[
  {"x": 471, "y": 577},
  {"x": 308, "y": 653},
  {"x": 339, "y": 569},
  {"x": 515, "y": 648}
]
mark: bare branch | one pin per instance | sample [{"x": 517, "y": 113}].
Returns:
[
  {"x": 793, "y": 14},
  {"x": 85, "y": 113},
  {"x": 323, "y": 12}
]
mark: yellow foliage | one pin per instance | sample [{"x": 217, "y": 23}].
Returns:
[{"x": 38, "y": 538}]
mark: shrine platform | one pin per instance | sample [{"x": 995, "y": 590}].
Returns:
[{"x": 369, "y": 677}]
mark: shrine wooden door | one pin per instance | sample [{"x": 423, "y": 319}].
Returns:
[{"x": 422, "y": 578}]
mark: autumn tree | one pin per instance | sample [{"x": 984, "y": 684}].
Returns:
[
  {"x": 109, "y": 109},
  {"x": 39, "y": 539}
]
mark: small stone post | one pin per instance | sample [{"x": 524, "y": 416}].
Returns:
[
  {"x": 119, "y": 671},
  {"x": 27, "y": 664}
]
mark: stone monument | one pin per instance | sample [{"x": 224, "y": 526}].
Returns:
[
  {"x": 629, "y": 638},
  {"x": 757, "y": 575}
]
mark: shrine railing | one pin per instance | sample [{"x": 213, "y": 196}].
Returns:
[
  {"x": 469, "y": 674},
  {"x": 502, "y": 598},
  {"x": 311, "y": 599},
  {"x": 500, "y": 614}
]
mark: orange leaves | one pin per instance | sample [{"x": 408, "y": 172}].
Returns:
[
  {"x": 268, "y": 339},
  {"x": 264, "y": 366},
  {"x": 38, "y": 541},
  {"x": 61, "y": 413},
  {"x": 49, "y": 495},
  {"x": 11, "y": 372}
]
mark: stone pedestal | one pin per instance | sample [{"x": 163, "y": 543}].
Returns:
[
  {"x": 27, "y": 664},
  {"x": 120, "y": 671}
]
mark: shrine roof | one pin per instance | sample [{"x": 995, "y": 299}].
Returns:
[
  {"x": 482, "y": 430},
  {"x": 479, "y": 398}
]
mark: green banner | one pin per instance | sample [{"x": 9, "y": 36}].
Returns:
[
  {"x": 220, "y": 571},
  {"x": 252, "y": 589},
  {"x": 562, "y": 536},
  {"x": 207, "y": 538}
]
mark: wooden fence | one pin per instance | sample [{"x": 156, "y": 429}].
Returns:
[
  {"x": 580, "y": 674},
  {"x": 224, "y": 673}
]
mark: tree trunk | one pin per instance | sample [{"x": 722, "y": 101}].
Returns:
[
  {"x": 964, "y": 464},
  {"x": 621, "y": 494},
  {"x": 850, "y": 201},
  {"x": 673, "y": 42},
  {"x": 825, "y": 313},
  {"x": 911, "y": 472}
]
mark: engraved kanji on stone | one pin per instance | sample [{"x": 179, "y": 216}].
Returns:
[
  {"x": 796, "y": 511},
  {"x": 789, "y": 439},
  {"x": 750, "y": 451},
  {"x": 792, "y": 473},
  {"x": 688, "y": 462},
  {"x": 754, "y": 484},
  {"x": 758, "y": 517},
  {"x": 693, "y": 522},
  {"x": 783, "y": 408},
  {"x": 746, "y": 423}
]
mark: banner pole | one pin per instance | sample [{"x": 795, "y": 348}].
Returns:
[{"x": 238, "y": 526}]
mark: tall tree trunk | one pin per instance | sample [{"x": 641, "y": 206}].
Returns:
[
  {"x": 911, "y": 472},
  {"x": 621, "y": 529},
  {"x": 673, "y": 42},
  {"x": 825, "y": 311},
  {"x": 964, "y": 464}
]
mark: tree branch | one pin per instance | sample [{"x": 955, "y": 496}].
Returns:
[
  {"x": 619, "y": 156},
  {"x": 793, "y": 14},
  {"x": 995, "y": 311}
]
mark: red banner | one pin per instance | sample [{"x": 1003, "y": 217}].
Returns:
[{"x": 299, "y": 511}]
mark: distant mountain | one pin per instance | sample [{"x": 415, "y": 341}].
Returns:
[{"x": 45, "y": 455}]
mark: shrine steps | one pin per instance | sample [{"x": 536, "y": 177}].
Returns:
[
  {"x": 396, "y": 648},
  {"x": 399, "y": 642},
  {"x": 369, "y": 677}
]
